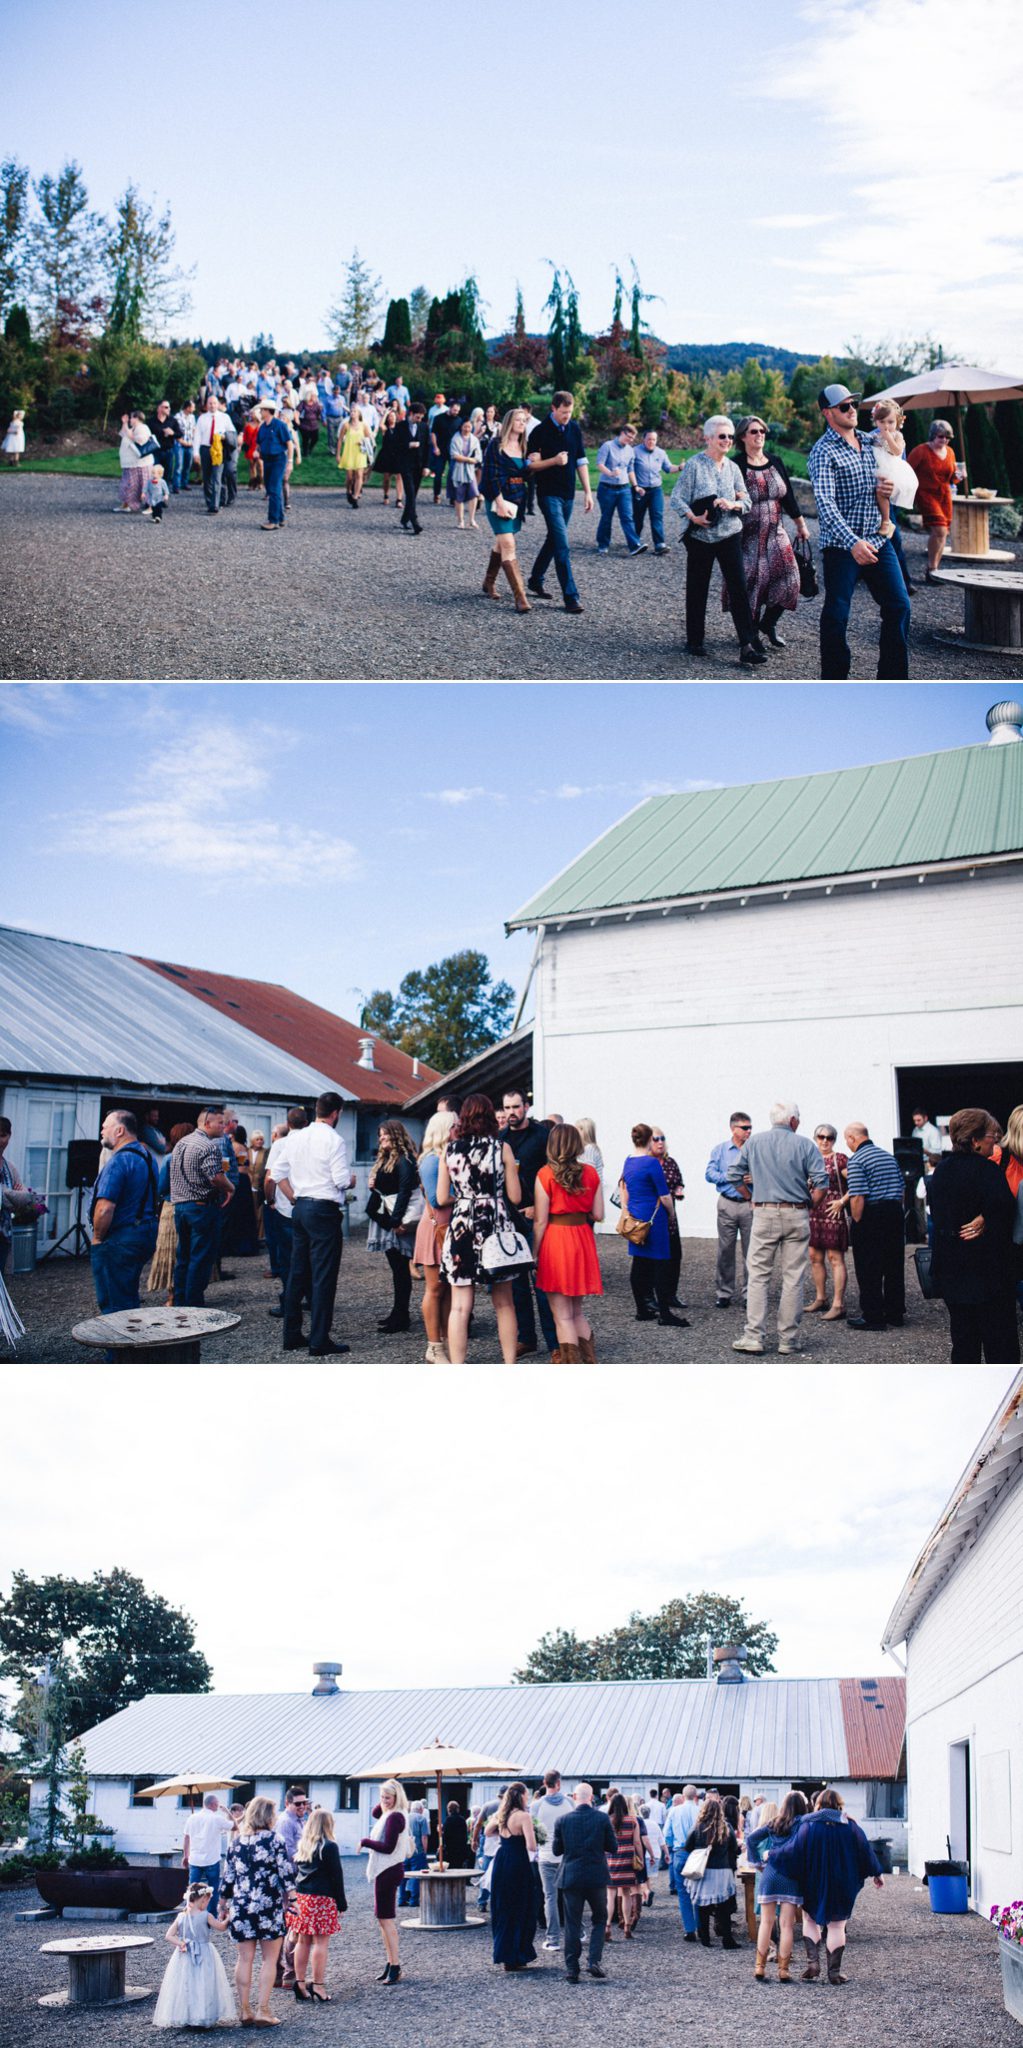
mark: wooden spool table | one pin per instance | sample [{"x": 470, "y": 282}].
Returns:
[
  {"x": 442, "y": 1901},
  {"x": 96, "y": 1970},
  {"x": 155, "y": 1335},
  {"x": 992, "y": 609},
  {"x": 970, "y": 538}
]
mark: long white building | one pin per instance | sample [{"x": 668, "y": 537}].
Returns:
[
  {"x": 960, "y": 1617},
  {"x": 849, "y": 940}
]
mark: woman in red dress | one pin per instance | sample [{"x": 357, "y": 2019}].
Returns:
[
  {"x": 568, "y": 1201},
  {"x": 936, "y": 471}
]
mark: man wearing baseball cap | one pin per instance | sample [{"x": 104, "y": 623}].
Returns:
[
  {"x": 274, "y": 441},
  {"x": 845, "y": 484}
]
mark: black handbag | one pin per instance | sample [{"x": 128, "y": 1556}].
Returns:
[
  {"x": 924, "y": 1273},
  {"x": 808, "y": 584},
  {"x": 708, "y": 506}
]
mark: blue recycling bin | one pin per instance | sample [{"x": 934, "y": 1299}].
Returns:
[{"x": 948, "y": 1894}]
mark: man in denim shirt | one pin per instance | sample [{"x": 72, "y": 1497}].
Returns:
[
  {"x": 651, "y": 464},
  {"x": 845, "y": 484}
]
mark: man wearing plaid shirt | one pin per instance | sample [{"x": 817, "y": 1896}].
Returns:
[{"x": 845, "y": 483}]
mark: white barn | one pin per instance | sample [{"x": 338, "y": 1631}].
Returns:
[
  {"x": 739, "y": 1734},
  {"x": 960, "y": 1617},
  {"x": 848, "y": 940}
]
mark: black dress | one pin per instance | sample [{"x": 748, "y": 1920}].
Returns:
[
  {"x": 975, "y": 1276},
  {"x": 513, "y": 1904}
]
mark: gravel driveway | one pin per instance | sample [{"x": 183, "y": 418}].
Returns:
[
  {"x": 59, "y": 1294},
  {"x": 914, "y": 1981},
  {"x": 346, "y": 595}
]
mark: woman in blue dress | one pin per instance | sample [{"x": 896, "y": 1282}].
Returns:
[
  {"x": 650, "y": 1267},
  {"x": 512, "y": 1886},
  {"x": 775, "y": 1893}
]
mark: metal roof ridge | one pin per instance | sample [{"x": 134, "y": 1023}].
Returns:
[{"x": 591, "y": 848}]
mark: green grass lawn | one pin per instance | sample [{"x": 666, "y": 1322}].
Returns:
[{"x": 317, "y": 470}]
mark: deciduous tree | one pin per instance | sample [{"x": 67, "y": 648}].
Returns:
[
  {"x": 669, "y": 1644},
  {"x": 446, "y": 1013}
]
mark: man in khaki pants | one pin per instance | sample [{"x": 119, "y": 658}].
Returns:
[{"x": 786, "y": 1177}]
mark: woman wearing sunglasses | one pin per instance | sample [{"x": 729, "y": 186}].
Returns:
[{"x": 710, "y": 498}]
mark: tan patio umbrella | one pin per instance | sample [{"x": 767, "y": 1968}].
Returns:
[
  {"x": 187, "y": 1788},
  {"x": 950, "y": 386},
  {"x": 440, "y": 1760}
]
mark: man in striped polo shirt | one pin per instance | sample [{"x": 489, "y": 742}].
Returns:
[{"x": 877, "y": 1208}]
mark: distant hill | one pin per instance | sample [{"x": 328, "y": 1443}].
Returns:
[{"x": 695, "y": 358}]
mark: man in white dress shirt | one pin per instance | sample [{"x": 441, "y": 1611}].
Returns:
[
  {"x": 213, "y": 430},
  {"x": 315, "y": 1176},
  {"x": 205, "y": 1836}
]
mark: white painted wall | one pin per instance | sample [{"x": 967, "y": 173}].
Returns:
[
  {"x": 686, "y": 1017},
  {"x": 965, "y": 1683}
]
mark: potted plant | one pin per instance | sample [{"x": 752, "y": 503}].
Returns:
[{"x": 1008, "y": 1921}]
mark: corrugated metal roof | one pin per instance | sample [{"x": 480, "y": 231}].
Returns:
[
  {"x": 82, "y": 1013},
  {"x": 874, "y": 1711},
  {"x": 765, "y": 1727},
  {"x": 966, "y": 804},
  {"x": 995, "y": 1466},
  {"x": 330, "y": 1043}
]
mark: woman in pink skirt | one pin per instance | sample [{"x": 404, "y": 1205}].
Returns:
[{"x": 430, "y": 1238}]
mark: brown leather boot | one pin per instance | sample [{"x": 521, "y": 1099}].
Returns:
[
  {"x": 813, "y": 1960},
  {"x": 760, "y": 1968},
  {"x": 571, "y": 1354},
  {"x": 784, "y": 1959},
  {"x": 835, "y": 1966},
  {"x": 514, "y": 575},
  {"x": 587, "y": 1350},
  {"x": 493, "y": 572}
]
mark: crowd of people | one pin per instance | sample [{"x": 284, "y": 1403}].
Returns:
[
  {"x": 275, "y": 1883},
  {"x": 730, "y": 499},
  {"x": 498, "y": 1199}
]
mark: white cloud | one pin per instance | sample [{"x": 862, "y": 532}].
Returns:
[
  {"x": 33, "y": 707},
  {"x": 206, "y": 809},
  {"x": 464, "y": 795},
  {"x": 791, "y": 221},
  {"x": 919, "y": 101}
]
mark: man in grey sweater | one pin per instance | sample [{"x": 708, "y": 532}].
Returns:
[{"x": 551, "y": 1806}]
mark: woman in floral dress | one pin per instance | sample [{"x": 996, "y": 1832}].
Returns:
[
  {"x": 258, "y": 1880},
  {"x": 769, "y": 565},
  {"x": 829, "y": 1231},
  {"x": 477, "y": 1173}
]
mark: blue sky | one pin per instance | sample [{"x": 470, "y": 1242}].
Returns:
[
  {"x": 843, "y": 169},
  {"x": 331, "y": 836}
]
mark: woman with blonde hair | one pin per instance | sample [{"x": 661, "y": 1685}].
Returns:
[
  {"x": 389, "y": 1842},
  {"x": 258, "y": 1878},
  {"x": 395, "y": 1206},
  {"x": 319, "y": 1903},
  {"x": 426, "y": 1252},
  {"x": 567, "y": 1201},
  {"x": 591, "y": 1152},
  {"x": 505, "y": 473},
  {"x": 352, "y": 455},
  {"x": 512, "y": 1883}
]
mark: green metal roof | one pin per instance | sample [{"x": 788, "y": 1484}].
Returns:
[{"x": 966, "y": 804}]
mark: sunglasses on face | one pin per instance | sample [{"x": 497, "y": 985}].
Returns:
[{"x": 848, "y": 407}]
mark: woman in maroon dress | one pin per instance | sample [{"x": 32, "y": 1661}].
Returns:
[
  {"x": 829, "y": 1231},
  {"x": 769, "y": 565}
]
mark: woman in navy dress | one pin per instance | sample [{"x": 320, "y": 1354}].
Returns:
[
  {"x": 648, "y": 1196},
  {"x": 827, "y": 1860},
  {"x": 512, "y": 1886}
]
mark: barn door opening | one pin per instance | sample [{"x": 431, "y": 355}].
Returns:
[{"x": 960, "y": 1832}]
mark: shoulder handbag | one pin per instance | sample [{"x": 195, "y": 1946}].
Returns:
[
  {"x": 628, "y": 1225},
  {"x": 696, "y": 1863},
  {"x": 504, "y": 1252},
  {"x": 808, "y": 585}
]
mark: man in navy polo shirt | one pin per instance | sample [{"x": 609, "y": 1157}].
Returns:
[
  {"x": 556, "y": 456},
  {"x": 124, "y": 1214},
  {"x": 876, "y": 1203}
]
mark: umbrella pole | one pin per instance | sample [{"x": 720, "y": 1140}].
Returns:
[
  {"x": 440, "y": 1826},
  {"x": 962, "y": 446}
]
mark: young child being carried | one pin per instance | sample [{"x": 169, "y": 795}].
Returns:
[
  {"x": 889, "y": 445},
  {"x": 195, "y": 1991}
]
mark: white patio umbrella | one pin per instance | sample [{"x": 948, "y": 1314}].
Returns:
[
  {"x": 440, "y": 1760},
  {"x": 187, "y": 1788},
  {"x": 950, "y": 386}
]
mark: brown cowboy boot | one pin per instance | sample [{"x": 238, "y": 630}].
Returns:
[
  {"x": 571, "y": 1354},
  {"x": 588, "y": 1350},
  {"x": 835, "y": 1966},
  {"x": 514, "y": 575},
  {"x": 493, "y": 572},
  {"x": 813, "y": 1960},
  {"x": 784, "y": 1959},
  {"x": 760, "y": 1969}
]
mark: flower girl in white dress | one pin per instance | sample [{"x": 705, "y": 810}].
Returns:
[
  {"x": 890, "y": 461},
  {"x": 195, "y": 1991}
]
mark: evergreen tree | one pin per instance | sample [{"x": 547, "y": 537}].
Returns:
[
  {"x": 420, "y": 302},
  {"x": 146, "y": 290},
  {"x": 557, "y": 333},
  {"x": 65, "y": 247},
  {"x": 353, "y": 320},
  {"x": 397, "y": 327},
  {"x": 13, "y": 226},
  {"x": 984, "y": 458},
  {"x": 1009, "y": 428}
]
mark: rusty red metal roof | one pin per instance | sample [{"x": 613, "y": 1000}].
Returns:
[
  {"x": 874, "y": 1714},
  {"x": 328, "y": 1043}
]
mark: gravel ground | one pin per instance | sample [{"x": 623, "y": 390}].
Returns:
[
  {"x": 348, "y": 596},
  {"x": 913, "y": 1979},
  {"x": 59, "y": 1294}
]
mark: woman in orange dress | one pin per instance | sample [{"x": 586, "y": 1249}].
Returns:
[
  {"x": 936, "y": 471},
  {"x": 568, "y": 1200}
]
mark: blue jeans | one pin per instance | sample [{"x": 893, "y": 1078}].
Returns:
[
  {"x": 206, "y": 1873},
  {"x": 273, "y": 477},
  {"x": 117, "y": 1264},
  {"x": 685, "y": 1904},
  {"x": 652, "y": 501},
  {"x": 522, "y": 1296},
  {"x": 556, "y": 513},
  {"x": 886, "y": 584},
  {"x": 614, "y": 498},
  {"x": 197, "y": 1243}
]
